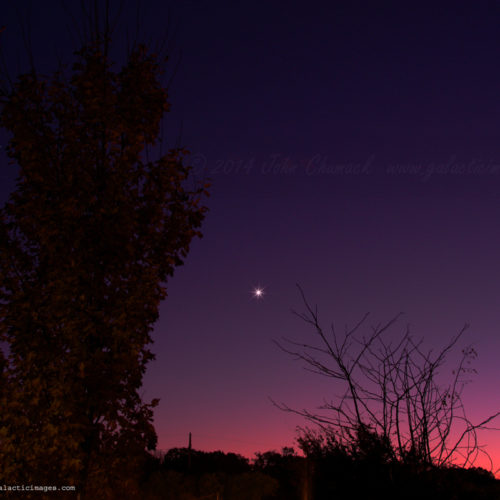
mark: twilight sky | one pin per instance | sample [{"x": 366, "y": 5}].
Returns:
[{"x": 354, "y": 148}]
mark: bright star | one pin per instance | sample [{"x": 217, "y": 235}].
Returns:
[{"x": 258, "y": 292}]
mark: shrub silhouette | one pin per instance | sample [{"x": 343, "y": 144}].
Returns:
[{"x": 391, "y": 404}]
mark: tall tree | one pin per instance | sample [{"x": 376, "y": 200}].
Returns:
[{"x": 87, "y": 242}]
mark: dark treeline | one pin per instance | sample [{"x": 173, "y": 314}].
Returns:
[{"x": 324, "y": 470}]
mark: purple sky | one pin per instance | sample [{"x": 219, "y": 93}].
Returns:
[{"x": 354, "y": 149}]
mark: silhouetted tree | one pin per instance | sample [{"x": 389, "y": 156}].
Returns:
[
  {"x": 87, "y": 242},
  {"x": 287, "y": 468},
  {"x": 185, "y": 460},
  {"x": 364, "y": 469},
  {"x": 207, "y": 476},
  {"x": 329, "y": 468},
  {"x": 391, "y": 404}
]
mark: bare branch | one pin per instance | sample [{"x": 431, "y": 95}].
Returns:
[{"x": 391, "y": 389}]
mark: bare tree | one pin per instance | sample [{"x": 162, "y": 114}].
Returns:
[{"x": 392, "y": 390}]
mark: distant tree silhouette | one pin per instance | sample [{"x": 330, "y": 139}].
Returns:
[
  {"x": 392, "y": 404},
  {"x": 184, "y": 460},
  {"x": 287, "y": 468},
  {"x": 209, "y": 476},
  {"x": 327, "y": 470},
  {"x": 87, "y": 242}
]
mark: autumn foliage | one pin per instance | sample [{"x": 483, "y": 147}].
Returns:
[{"x": 88, "y": 241}]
